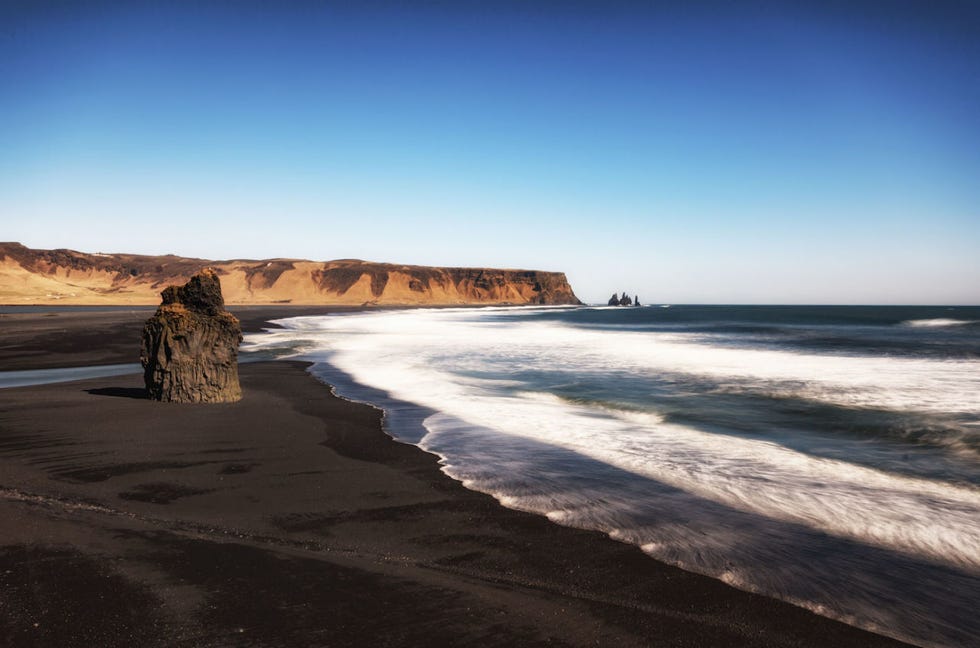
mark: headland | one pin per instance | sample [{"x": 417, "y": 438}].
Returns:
[{"x": 29, "y": 276}]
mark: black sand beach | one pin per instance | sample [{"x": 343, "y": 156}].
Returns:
[
  {"x": 291, "y": 519},
  {"x": 62, "y": 337}
]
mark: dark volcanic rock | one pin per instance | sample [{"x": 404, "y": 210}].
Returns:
[
  {"x": 189, "y": 350},
  {"x": 625, "y": 300}
]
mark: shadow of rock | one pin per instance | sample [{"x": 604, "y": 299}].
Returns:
[{"x": 120, "y": 392}]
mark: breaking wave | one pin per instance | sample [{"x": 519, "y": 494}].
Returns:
[{"x": 833, "y": 481}]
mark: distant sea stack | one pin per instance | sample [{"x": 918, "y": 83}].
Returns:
[
  {"x": 30, "y": 276},
  {"x": 189, "y": 350},
  {"x": 625, "y": 300}
]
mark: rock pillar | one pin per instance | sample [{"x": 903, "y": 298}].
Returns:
[{"x": 189, "y": 349}]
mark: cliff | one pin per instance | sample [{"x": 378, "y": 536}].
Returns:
[{"x": 30, "y": 276}]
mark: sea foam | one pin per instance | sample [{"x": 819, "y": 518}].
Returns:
[
  {"x": 735, "y": 507},
  {"x": 434, "y": 358},
  {"x": 938, "y": 321}
]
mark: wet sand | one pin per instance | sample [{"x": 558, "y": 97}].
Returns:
[{"x": 291, "y": 519}]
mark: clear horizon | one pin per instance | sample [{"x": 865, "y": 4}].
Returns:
[{"x": 785, "y": 153}]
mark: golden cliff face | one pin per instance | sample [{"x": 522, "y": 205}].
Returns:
[{"x": 67, "y": 277}]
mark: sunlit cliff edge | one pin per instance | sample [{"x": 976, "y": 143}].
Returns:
[{"x": 29, "y": 276}]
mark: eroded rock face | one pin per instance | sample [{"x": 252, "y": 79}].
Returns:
[
  {"x": 189, "y": 350},
  {"x": 69, "y": 276}
]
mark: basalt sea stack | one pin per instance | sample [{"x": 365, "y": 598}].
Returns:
[{"x": 190, "y": 345}]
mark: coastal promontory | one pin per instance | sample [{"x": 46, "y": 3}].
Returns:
[{"x": 30, "y": 276}]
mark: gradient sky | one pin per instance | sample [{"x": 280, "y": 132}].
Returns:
[{"x": 690, "y": 152}]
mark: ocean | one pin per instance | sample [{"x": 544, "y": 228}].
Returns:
[{"x": 826, "y": 456}]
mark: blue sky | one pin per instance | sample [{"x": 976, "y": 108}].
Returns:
[{"x": 690, "y": 152}]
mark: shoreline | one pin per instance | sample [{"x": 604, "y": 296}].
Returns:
[
  {"x": 298, "y": 497},
  {"x": 61, "y": 337},
  {"x": 66, "y": 338}
]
